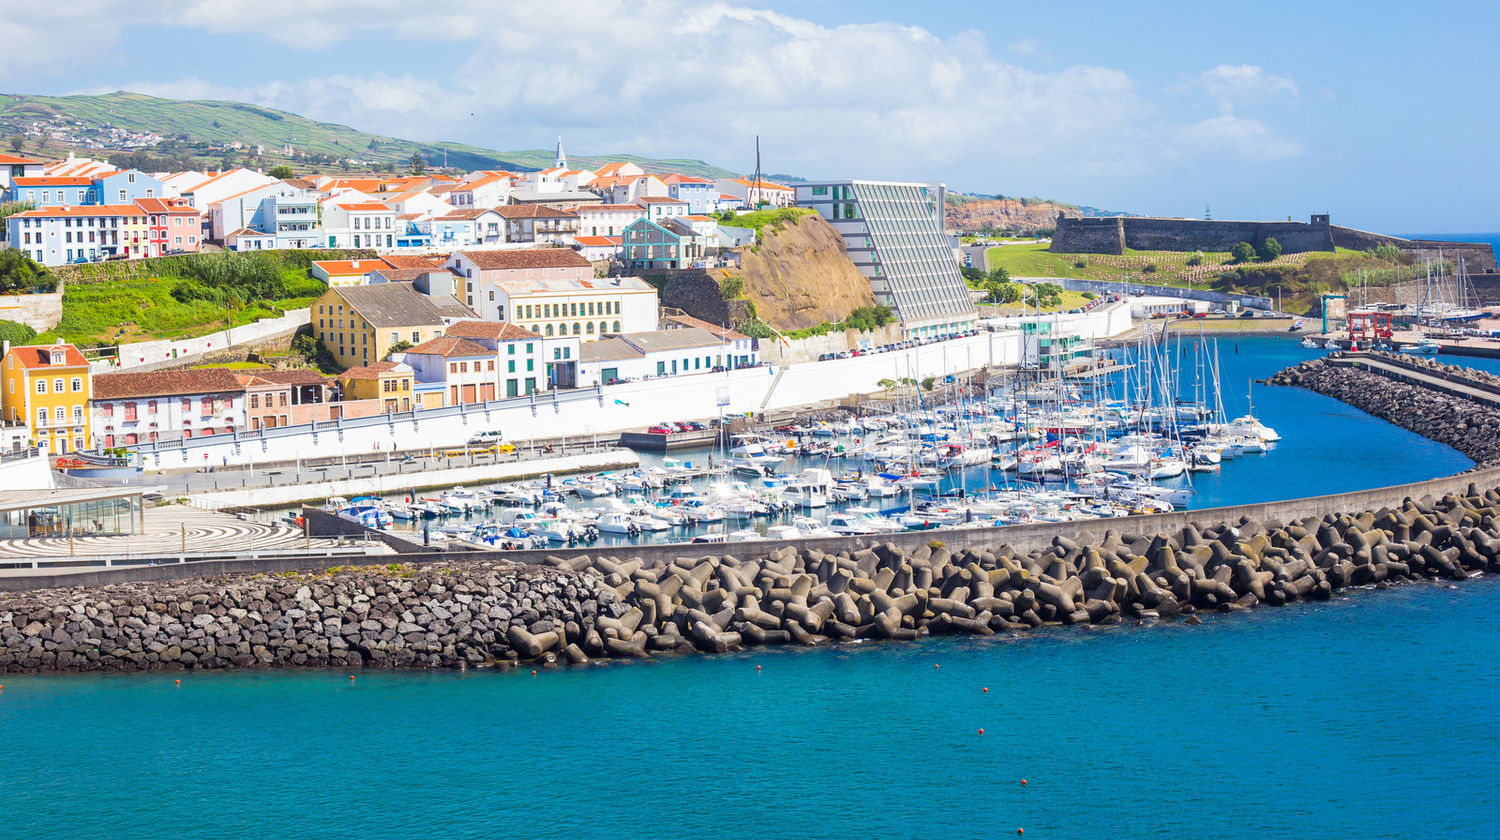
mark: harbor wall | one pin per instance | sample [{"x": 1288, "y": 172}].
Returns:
[
  {"x": 601, "y": 410},
  {"x": 1115, "y": 235}
]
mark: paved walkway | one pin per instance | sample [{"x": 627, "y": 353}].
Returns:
[{"x": 169, "y": 530}]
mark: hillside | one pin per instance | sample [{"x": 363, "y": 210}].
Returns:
[
  {"x": 800, "y": 276},
  {"x": 1005, "y": 214},
  {"x": 124, "y": 121}
]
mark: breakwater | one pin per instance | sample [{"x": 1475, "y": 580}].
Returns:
[
  {"x": 464, "y": 613},
  {"x": 1439, "y": 413}
]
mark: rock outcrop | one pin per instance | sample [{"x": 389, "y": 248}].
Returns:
[
  {"x": 1005, "y": 214},
  {"x": 799, "y": 275}
]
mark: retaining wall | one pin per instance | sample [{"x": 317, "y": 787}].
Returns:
[
  {"x": 585, "y": 412},
  {"x": 41, "y": 312},
  {"x": 154, "y": 355}
]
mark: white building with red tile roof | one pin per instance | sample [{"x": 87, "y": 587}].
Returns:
[
  {"x": 466, "y": 369},
  {"x": 606, "y": 219},
  {"x": 15, "y": 166},
  {"x": 358, "y": 224},
  {"x": 597, "y": 249}
]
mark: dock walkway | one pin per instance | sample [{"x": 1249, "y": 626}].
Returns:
[{"x": 1458, "y": 386}]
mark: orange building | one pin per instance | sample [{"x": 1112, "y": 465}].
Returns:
[{"x": 47, "y": 388}]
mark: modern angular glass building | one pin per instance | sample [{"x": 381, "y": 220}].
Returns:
[{"x": 894, "y": 234}]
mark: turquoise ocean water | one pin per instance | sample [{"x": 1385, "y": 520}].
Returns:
[{"x": 1371, "y": 716}]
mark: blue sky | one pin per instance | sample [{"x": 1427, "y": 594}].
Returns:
[{"x": 1379, "y": 113}]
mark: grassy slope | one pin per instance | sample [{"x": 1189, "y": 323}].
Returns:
[
  {"x": 1034, "y": 260},
  {"x": 253, "y": 124},
  {"x": 144, "y": 310}
]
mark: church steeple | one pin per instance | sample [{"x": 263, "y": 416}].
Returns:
[{"x": 560, "y": 159}]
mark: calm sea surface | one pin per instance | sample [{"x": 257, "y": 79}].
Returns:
[{"x": 1371, "y": 716}]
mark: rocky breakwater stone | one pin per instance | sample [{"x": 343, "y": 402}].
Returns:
[
  {"x": 445, "y": 616},
  {"x": 1472, "y": 428},
  {"x": 468, "y": 614}
]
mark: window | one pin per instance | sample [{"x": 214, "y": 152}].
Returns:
[
  {"x": 77, "y": 414},
  {"x": 531, "y": 364},
  {"x": 41, "y": 386},
  {"x": 130, "y": 412},
  {"x": 60, "y": 413},
  {"x": 151, "y": 407},
  {"x": 511, "y": 366},
  {"x": 255, "y": 400},
  {"x": 603, "y": 328},
  {"x": 510, "y": 349},
  {"x": 187, "y": 405},
  {"x": 617, "y": 326},
  {"x": 57, "y": 385},
  {"x": 416, "y": 337},
  {"x": 591, "y": 308},
  {"x": 575, "y": 329},
  {"x": 208, "y": 406},
  {"x": 77, "y": 384},
  {"x": 549, "y": 330},
  {"x": 590, "y": 329},
  {"x": 528, "y": 347},
  {"x": 453, "y": 367},
  {"x": 463, "y": 367},
  {"x": 490, "y": 365}
]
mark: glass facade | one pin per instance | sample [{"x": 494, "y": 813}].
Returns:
[
  {"x": 894, "y": 234},
  {"x": 97, "y": 517}
]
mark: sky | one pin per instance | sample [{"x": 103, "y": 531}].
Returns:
[{"x": 1381, "y": 114}]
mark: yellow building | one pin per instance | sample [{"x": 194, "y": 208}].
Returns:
[
  {"x": 389, "y": 382},
  {"x": 359, "y": 324},
  {"x": 47, "y": 389}
]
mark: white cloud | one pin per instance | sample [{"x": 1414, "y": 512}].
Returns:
[
  {"x": 679, "y": 78},
  {"x": 1236, "y": 139},
  {"x": 1237, "y": 84}
]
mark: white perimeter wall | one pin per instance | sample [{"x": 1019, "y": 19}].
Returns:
[{"x": 597, "y": 411}]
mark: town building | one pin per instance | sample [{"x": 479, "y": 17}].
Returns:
[
  {"x": 700, "y": 194},
  {"x": 894, "y": 234},
  {"x": 606, "y": 219},
  {"x": 553, "y": 292},
  {"x": 538, "y": 223},
  {"x": 598, "y": 249},
  {"x": 173, "y": 226},
  {"x": 661, "y": 208},
  {"x": 389, "y": 382},
  {"x": 129, "y": 407},
  {"x": 15, "y": 166},
  {"x": 360, "y": 324},
  {"x": 520, "y": 354},
  {"x": 358, "y": 224},
  {"x": 466, "y": 369},
  {"x": 47, "y": 389},
  {"x": 658, "y": 353},
  {"x": 62, "y": 235}
]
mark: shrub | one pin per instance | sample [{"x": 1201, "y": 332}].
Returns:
[
  {"x": 16, "y": 333},
  {"x": 1149, "y": 268},
  {"x": 732, "y": 287},
  {"x": 1080, "y": 263},
  {"x": 1090, "y": 296},
  {"x": 20, "y": 273},
  {"x": 1269, "y": 249},
  {"x": 1195, "y": 259},
  {"x": 756, "y": 328},
  {"x": 1242, "y": 252}
]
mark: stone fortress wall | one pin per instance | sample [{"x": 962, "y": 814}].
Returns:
[{"x": 1116, "y": 234}]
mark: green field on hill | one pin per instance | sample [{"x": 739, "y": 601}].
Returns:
[{"x": 221, "y": 123}]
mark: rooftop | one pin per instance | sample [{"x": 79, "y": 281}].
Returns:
[
  {"x": 40, "y": 355},
  {"x": 493, "y": 330},
  {"x": 401, "y": 305},
  {"x": 530, "y": 258},
  {"x": 448, "y": 345},
  {"x": 165, "y": 383}
]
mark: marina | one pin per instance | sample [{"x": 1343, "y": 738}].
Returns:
[{"x": 864, "y": 476}]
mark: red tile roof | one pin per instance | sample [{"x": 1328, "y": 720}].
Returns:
[
  {"x": 493, "y": 330},
  {"x": 80, "y": 211},
  {"x": 165, "y": 383},
  {"x": 371, "y": 371},
  {"x": 533, "y": 258},
  {"x": 608, "y": 208},
  {"x": 165, "y": 205},
  {"x": 413, "y": 261},
  {"x": 598, "y": 241},
  {"x": 450, "y": 346},
  {"x": 52, "y": 181},
  {"x": 533, "y": 211},
  {"x": 12, "y": 160},
  {"x": 365, "y": 206},
  {"x": 40, "y": 356},
  {"x": 660, "y": 199},
  {"x": 346, "y": 268}
]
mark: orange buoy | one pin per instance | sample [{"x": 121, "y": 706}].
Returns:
[
  {"x": 981, "y": 731},
  {"x": 936, "y": 666},
  {"x": 179, "y": 682},
  {"x": 757, "y": 667},
  {"x": 986, "y": 691},
  {"x": 533, "y": 673},
  {"x": 1023, "y": 783},
  {"x": 351, "y": 676},
  {"x": 1020, "y": 831}
]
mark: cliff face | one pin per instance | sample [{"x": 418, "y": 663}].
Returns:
[
  {"x": 1004, "y": 214},
  {"x": 800, "y": 276}
]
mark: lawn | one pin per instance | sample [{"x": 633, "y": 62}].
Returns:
[
  {"x": 141, "y": 310},
  {"x": 1161, "y": 268}
]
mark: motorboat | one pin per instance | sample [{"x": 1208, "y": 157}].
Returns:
[{"x": 1425, "y": 347}]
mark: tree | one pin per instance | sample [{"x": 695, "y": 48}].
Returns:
[
  {"x": 1002, "y": 292},
  {"x": 20, "y": 273},
  {"x": 1000, "y": 275},
  {"x": 418, "y": 166},
  {"x": 1242, "y": 252},
  {"x": 399, "y": 347},
  {"x": 17, "y": 143},
  {"x": 1269, "y": 249},
  {"x": 1196, "y": 258},
  {"x": 973, "y": 276},
  {"x": 282, "y": 172}
]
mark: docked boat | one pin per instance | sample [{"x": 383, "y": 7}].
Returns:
[{"x": 1425, "y": 347}]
